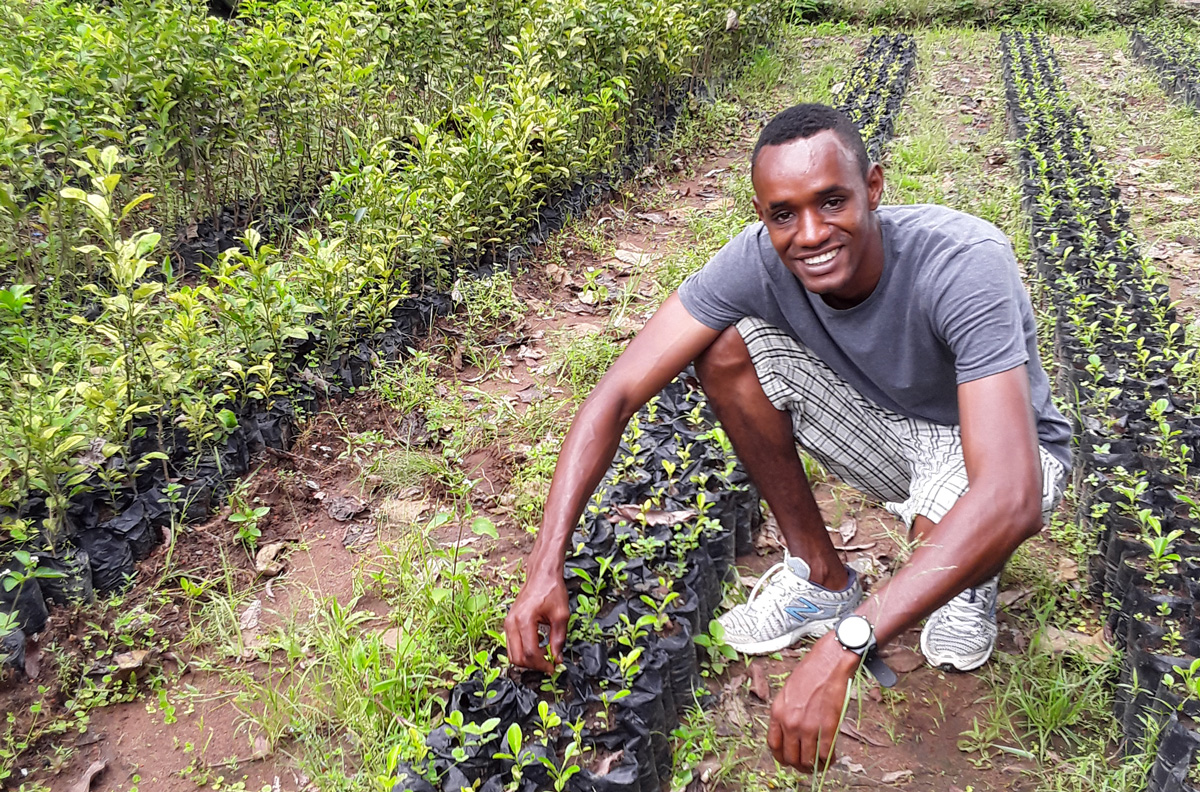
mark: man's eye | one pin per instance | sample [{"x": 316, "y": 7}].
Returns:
[
  {"x": 783, "y": 217},
  {"x": 835, "y": 203}
]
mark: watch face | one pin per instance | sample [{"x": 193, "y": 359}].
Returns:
[{"x": 854, "y": 632}]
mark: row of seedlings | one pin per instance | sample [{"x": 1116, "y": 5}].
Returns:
[
  {"x": 1133, "y": 385},
  {"x": 873, "y": 93},
  {"x": 124, "y": 504},
  {"x": 646, "y": 576},
  {"x": 1171, "y": 47}
]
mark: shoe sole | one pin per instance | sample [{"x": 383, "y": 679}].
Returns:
[
  {"x": 813, "y": 629},
  {"x": 955, "y": 663}
]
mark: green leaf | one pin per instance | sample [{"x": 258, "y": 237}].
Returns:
[{"x": 482, "y": 526}]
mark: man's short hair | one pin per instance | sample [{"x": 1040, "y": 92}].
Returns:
[{"x": 806, "y": 120}]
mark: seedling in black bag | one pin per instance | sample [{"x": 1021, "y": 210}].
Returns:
[
  {"x": 1188, "y": 679},
  {"x": 720, "y": 654},
  {"x": 1161, "y": 560},
  {"x": 627, "y": 665},
  {"x": 29, "y": 571},
  {"x": 660, "y": 617},
  {"x": 631, "y": 633},
  {"x": 469, "y": 734}
]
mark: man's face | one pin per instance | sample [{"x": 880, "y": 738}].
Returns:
[{"x": 812, "y": 196}]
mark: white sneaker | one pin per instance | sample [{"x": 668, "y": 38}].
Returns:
[
  {"x": 786, "y": 606},
  {"x": 961, "y": 634}
]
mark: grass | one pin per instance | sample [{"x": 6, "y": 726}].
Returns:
[{"x": 579, "y": 358}]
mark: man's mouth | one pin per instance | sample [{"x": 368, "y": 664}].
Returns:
[{"x": 821, "y": 263}]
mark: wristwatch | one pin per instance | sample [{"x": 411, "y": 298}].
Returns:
[{"x": 857, "y": 635}]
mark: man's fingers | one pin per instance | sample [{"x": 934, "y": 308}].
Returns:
[
  {"x": 512, "y": 635},
  {"x": 775, "y": 736},
  {"x": 792, "y": 748},
  {"x": 558, "y": 638}
]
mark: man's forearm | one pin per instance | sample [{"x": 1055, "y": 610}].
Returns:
[
  {"x": 586, "y": 453},
  {"x": 968, "y": 546}
]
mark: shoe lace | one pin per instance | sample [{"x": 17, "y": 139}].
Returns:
[
  {"x": 964, "y": 611},
  {"x": 769, "y": 594}
]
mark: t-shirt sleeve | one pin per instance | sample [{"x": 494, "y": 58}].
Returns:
[
  {"x": 730, "y": 286},
  {"x": 978, "y": 311}
]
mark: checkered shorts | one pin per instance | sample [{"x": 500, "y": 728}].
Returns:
[{"x": 910, "y": 465}]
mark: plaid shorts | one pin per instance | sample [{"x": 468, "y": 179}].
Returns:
[{"x": 910, "y": 465}]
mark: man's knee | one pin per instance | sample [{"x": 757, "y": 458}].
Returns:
[{"x": 726, "y": 356}]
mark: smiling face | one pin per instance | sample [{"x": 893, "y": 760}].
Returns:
[{"x": 818, "y": 209}]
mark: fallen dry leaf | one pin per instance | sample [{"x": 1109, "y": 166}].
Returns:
[
  {"x": 634, "y": 258},
  {"x": 1068, "y": 570},
  {"x": 847, "y": 529},
  {"x": 401, "y": 511},
  {"x": 1090, "y": 647},
  {"x": 357, "y": 535},
  {"x": 633, "y": 513},
  {"x": 853, "y": 548},
  {"x": 732, "y": 718},
  {"x": 850, "y": 730},
  {"x": 1012, "y": 598},
  {"x": 851, "y": 765},
  {"x": 708, "y": 768},
  {"x": 769, "y": 539},
  {"x": 84, "y": 784},
  {"x": 266, "y": 560},
  {"x": 128, "y": 661},
  {"x": 33, "y": 660},
  {"x": 760, "y": 686},
  {"x": 606, "y": 764},
  {"x": 897, "y": 777},
  {"x": 248, "y": 621},
  {"x": 342, "y": 508},
  {"x": 903, "y": 659},
  {"x": 657, "y": 218},
  {"x": 262, "y": 748},
  {"x": 395, "y": 638}
]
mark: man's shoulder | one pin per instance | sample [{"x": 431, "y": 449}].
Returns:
[{"x": 927, "y": 224}]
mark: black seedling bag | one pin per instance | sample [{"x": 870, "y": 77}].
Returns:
[
  {"x": 25, "y": 601},
  {"x": 75, "y": 585}
]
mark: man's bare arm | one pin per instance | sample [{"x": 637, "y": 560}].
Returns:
[
  {"x": 1002, "y": 508},
  {"x": 668, "y": 342}
]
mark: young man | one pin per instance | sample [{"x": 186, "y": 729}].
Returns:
[{"x": 896, "y": 345}]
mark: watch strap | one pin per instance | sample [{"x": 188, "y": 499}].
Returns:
[{"x": 882, "y": 672}]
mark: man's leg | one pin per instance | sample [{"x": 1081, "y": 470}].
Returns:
[
  {"x": 770, "y": 394},
  {"x": 960, "y": 635},
  {"x": 762, "y": 437}
]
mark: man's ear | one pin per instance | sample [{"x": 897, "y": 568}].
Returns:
[
  {"x": 874, "y": 185},
  {"x": 758, "y": 208}
]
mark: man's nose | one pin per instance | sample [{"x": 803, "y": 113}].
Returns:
[{"x": 811, "y": 231}]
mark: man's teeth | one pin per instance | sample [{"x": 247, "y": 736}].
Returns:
[{"x": 821, "y": 259}]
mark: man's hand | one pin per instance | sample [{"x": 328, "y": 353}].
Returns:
[
  {"x": 807, "y": 713},
  {"x": 542, "y": 601}
]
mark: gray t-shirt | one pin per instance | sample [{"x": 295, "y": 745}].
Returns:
[{"x": 949, "y": 308}]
